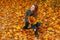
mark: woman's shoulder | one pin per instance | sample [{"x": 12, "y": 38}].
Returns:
[{"x": 28, "y": 11}]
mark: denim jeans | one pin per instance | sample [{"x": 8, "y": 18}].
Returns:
[
  {"x": 26, "y": 25},
  {"x": 35, "y": 28}
]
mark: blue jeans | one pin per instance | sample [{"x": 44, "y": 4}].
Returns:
[
  {"x": 26, "y": 25},
  {"x": 35, "y": 28}
]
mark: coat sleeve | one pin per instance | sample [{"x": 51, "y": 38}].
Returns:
[{"x": 26, "y": 16}]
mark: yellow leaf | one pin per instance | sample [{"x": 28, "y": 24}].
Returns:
[
  {"x": 17, "y": 27},
  {"x": 50, "y": 28}
]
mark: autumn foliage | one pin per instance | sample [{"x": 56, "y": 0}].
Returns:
[{"x": 12, "y": 16}]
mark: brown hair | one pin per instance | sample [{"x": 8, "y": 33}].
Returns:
[{"x": 36, "y": 7}]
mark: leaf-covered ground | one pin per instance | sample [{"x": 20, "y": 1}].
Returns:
[{"x": 12, "y": 13}]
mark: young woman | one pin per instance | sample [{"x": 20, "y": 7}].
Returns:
[{"x": 32, "y": 12}]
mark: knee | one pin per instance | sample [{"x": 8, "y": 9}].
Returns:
[{"x": 37, "y": 24}]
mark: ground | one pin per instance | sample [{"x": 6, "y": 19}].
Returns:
[{"x": 12, "y": 13}]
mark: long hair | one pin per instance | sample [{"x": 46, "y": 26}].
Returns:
[{"x": 36, "y": 9}]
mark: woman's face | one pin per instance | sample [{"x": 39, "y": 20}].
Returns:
[{"x": 32, "y": 8}]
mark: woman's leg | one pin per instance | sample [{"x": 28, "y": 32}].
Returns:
[
  {"x": 35, "y": 28},
  {"x": 36, "y": 33},
  {"x": 37, "y": 24},
  {"x": 26, "y": 25}
]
